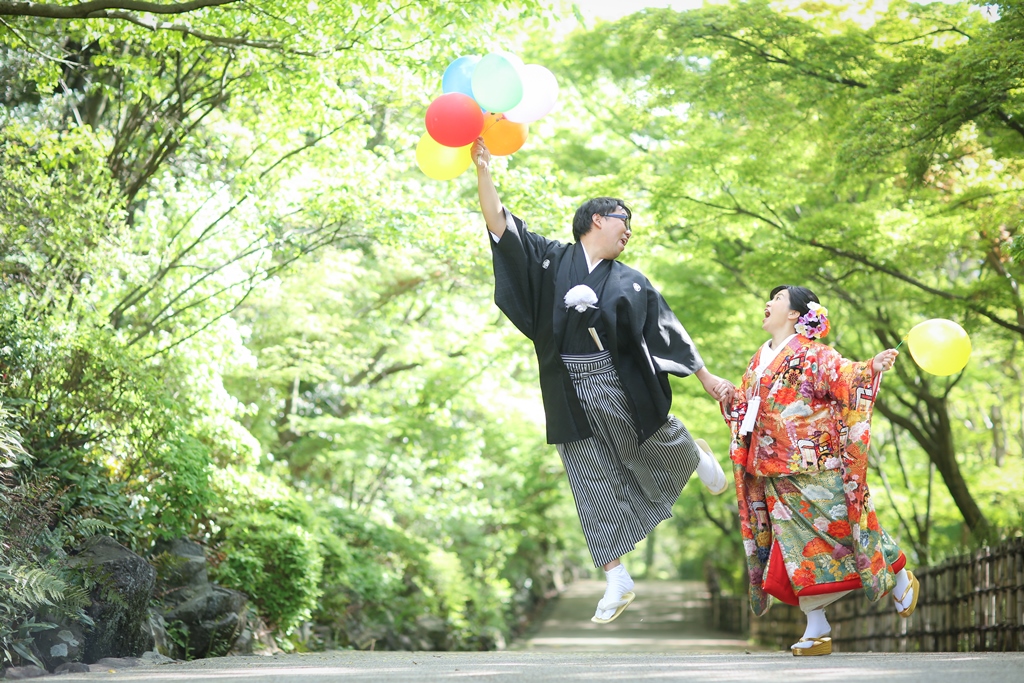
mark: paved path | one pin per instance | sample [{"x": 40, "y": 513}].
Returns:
[
  {"x": 667, "y": 616},
  {"x": 537, "y": 667},
  {"x": 660, "y": 638}
]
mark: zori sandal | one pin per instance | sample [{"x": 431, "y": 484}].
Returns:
[
  {"x": 915, "y": 586},
  {"x": 617, "y": 605},
  {"x": 822, "y": 646}
]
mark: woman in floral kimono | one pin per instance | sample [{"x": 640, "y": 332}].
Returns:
[{"x": 800, "y": 423}]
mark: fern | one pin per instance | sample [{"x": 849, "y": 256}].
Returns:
[
  {"x": 36, "y": 587},
  {"x": 35, "y": 583},
  {"x": 90, "y": 527},
  {"x": 11, "y": 451}
]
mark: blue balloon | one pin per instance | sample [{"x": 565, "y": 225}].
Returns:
[{"x": 458, "y": 77}]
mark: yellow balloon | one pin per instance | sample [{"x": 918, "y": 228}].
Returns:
[
  {"x": 440, "y": 162},
  {"x": 939, "y": 346}
]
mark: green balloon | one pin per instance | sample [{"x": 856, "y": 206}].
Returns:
[{"x": 497, "y": 86}]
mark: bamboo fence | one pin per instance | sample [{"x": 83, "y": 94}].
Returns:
[{"x": 968, "y": 603}]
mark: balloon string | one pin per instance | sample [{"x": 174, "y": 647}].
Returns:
[
  {"x": 900, "y": 344},
  {"x": 500, "y": 118}
]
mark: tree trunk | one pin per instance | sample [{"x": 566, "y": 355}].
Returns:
[{"x": 935, "y": 436}]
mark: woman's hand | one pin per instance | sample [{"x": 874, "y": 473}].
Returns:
[{"x": 884, "y": 360}]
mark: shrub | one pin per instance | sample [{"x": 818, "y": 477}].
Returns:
[{"x": 277, "y": 563}]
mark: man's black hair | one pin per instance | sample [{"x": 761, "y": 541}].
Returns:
[{"x": 584, "y": 218}]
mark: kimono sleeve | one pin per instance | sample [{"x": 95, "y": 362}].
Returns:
[
  {"x": 851, "y": 383},
  {"x": 750, "y": 499},
  {"x": 669, "y": 344},
  {"x": 520, "y": 258},
  {"x": 853, "y": 387}
]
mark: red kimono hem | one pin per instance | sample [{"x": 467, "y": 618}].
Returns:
[{"x": 777, "y": 584}]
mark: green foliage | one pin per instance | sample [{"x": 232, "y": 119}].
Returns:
[
  {"x": 820, "y": 146},
  {"x": 277, "y": 563},
  {"x": 34, "y": 580},
  {"x": 231, "y": 308},
  {"x": 176, "y": 503}
]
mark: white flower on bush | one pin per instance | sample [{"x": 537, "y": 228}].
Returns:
[{"x": 581, "y": 298}]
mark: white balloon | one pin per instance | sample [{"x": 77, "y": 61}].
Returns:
[{"x": 540, "y": 92}]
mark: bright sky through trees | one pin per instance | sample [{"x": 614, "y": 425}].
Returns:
[{"x": 616, "y": 9}]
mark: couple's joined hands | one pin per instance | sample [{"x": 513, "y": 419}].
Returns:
[{"x": 721, "y": 390}]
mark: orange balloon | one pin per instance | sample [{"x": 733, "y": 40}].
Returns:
[{"x": 502, "y": 136}]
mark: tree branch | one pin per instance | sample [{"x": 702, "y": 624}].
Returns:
[
  {"x": 793, "y": 64},
  {"x": 1009, "y": 121},
  {"x": 739, "y": 210},
  {"x": 859, "y": 258},
  {"x": 98, "y": 8}
]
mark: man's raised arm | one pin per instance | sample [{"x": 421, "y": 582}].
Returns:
[{"x": 490, "y": 204}]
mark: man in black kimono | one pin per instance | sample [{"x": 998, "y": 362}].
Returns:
[{"x": 606, "y": 341}]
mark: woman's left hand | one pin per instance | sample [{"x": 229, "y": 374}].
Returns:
[{"x": 884, "y": 360}]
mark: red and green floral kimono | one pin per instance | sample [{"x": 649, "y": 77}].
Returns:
[{"x": 809, "y": 526}]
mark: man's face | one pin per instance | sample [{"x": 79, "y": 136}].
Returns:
[{"x": 615, "y": 231}]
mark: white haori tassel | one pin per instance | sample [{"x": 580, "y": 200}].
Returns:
[
  {"x": 753, "y": 407},
  {"x": 581, "y": 298}
]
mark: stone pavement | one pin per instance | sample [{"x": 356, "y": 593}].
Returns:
[
  {"x": 667, "y": 616},
  {"x": 660, "y": 638},
  {"x": 578, "y": 667}
]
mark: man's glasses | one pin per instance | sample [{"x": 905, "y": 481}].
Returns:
[{"x": 621, "y": 216}]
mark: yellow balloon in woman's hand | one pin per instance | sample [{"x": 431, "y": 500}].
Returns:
[{"x": 939, "y": 346}]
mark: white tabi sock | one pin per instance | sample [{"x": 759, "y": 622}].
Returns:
[
  {"x": 817, "y": 627},
  {"x": 619, "y": 583},
  {"x": 708, "y": 468},
  {"x": 902, "y": 584}
]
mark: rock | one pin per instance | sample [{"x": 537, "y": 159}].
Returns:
[
  {"x": 155, "y": 658},
  {"x": 118, "y": 662},
  {"x": 120, "y": 597},
  {"x": 19, "y": 673},
  {"x": 201, "y": 619},
  {"x": 72, "y": 668},
  {"x": 432, "y": 630},
  {"x": 61, "y": 645},
  {"x": 255, "y": 638},
  {"x": 213, "y": 617},
  {"x": 180, "y": 562},
  {"x": 162, "y": 643}
]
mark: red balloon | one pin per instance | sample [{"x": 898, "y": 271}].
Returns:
[{"x": 454, "y": 119}]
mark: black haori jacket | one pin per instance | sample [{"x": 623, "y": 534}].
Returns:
[{"x": 646, "y": 340}]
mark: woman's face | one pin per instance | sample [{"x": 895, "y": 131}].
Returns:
[{"x": 778, "y": 316}]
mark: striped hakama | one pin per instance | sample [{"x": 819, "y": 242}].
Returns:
[{"x": 622, "y": 488}]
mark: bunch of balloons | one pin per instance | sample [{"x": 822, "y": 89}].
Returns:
[
  {"x": 939, "y": 346},
  {"x": 494, "y": 96}
]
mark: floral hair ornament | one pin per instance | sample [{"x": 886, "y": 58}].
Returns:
[
  {"x": 814, "y": 323},
  {"x": 581, "y": 298}
]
